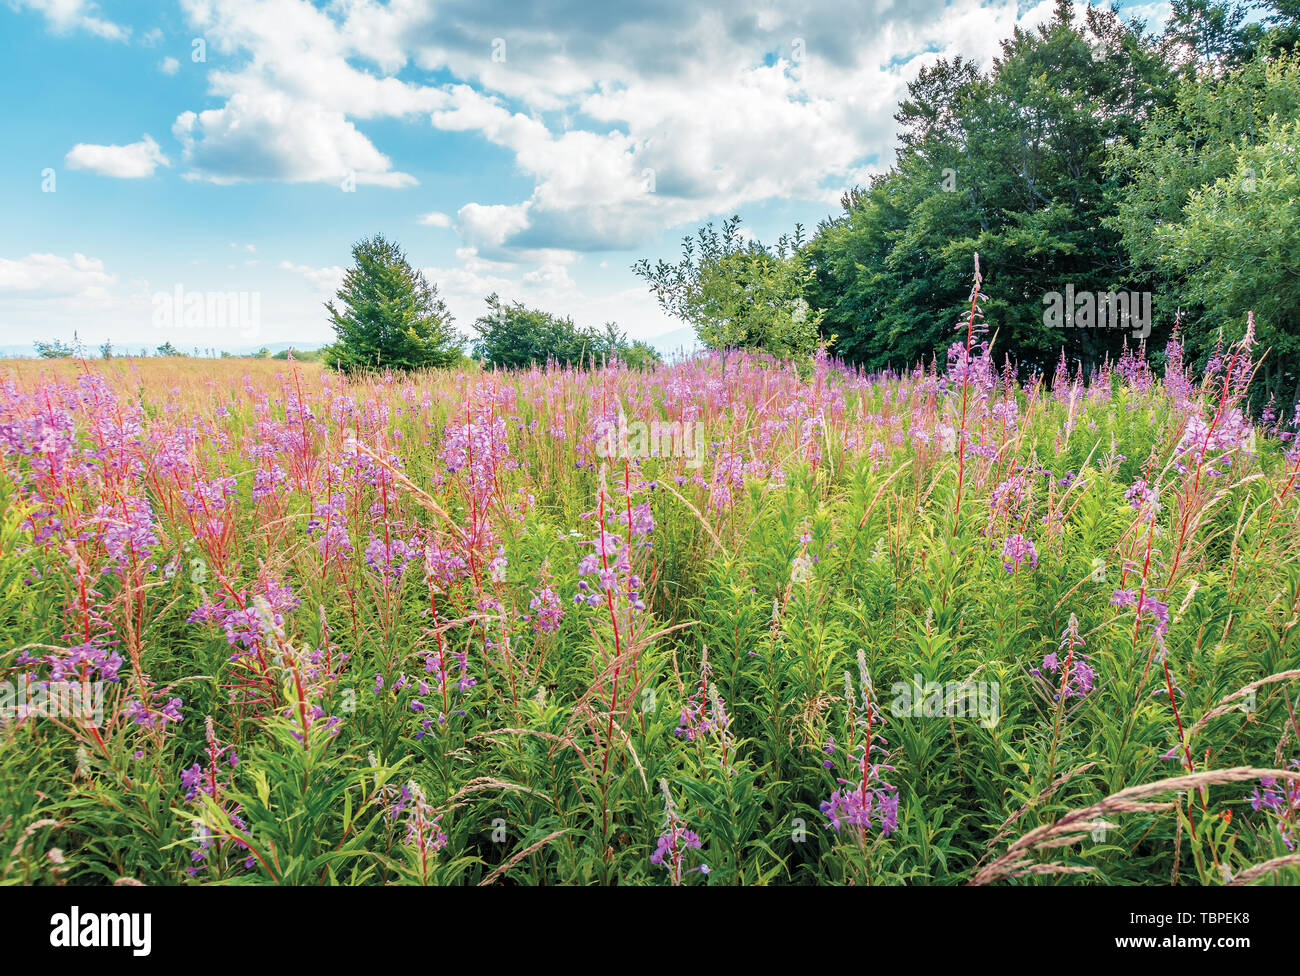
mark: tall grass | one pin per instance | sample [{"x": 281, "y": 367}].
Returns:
[{"x": 430, "y": 629}]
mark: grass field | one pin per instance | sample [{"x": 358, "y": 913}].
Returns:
[{"x": 262, "y": 624}]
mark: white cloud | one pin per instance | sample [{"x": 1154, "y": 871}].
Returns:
[
  {"x": 267, "y": 135},
  {"x": 53, "y": 276},
  {"x": 627, "y": 121},
  {"x": 435, "y": 219},
  {"x": 67, "y": 16},
  {"x": 169, "y": 66},
  {"x": 130, "y": 162},
  {"x": 324, "y": 280}
]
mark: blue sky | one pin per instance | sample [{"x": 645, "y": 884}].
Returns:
[{"x": 536, "y": 150}]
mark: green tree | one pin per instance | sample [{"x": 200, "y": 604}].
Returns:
[
  {"x": 612, "y": 343},
  {"x": 53, "y": 349},
  {"x": 388, "y": 316},
  {"x": 639, "y": 355},
  {"x": 1199, "y": 142},
  {"x": 512, "y": 336},
  {"x": 738, "y": 293},
  {"x": 167, "y": 349},
  {"x": 1010, "y": 164},
  {"x": 1208, "y": 36},
  {"x": 1238, "y": 245}
]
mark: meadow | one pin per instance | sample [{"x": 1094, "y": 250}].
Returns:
[{"x": 949, "y": 625}]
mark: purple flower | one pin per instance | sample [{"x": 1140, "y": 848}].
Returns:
[{"x": 1018, "y": 549}]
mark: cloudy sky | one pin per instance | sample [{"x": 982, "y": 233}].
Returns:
[{"x": 532, "y": 149}]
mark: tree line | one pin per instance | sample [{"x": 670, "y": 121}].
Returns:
[
  {"x": 1090, "y": 155},
  {"x": 387, "y": 315}
]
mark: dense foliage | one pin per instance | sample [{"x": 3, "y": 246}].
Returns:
[
  {"x": 510, "y": 335},
  {"x": 737, "y": 293},
  {"x": 1089, "y": 155}
]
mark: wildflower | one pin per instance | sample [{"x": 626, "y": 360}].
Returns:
[
  {"x": 1017, "y": 549},
  {"x": 1282, "y": 800},
  {"x": 675, "y": 841},
  {"x": 869, "y": 803},
  {"x": 875, "y": 808},
  {"x": 1079, "y": 682},
  {"x": 548, "y": 611}
]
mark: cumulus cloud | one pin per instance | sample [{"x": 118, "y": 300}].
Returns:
[
  {"x": 267, "y": 135},
  {"x": 169, "y": 66},
  {"x": 131, "y": 162},
  {"x": 53, "y": 276},
  {"x": 435, "y": 219},
  {"x": 323, "y": 280},
  {"x": 68, "y": 16},
  {"x": 627, "y": 120}
]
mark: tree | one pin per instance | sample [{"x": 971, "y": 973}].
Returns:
[
  {"x": 1208, "y": 36},
  {"x": 167, "y": 349},
  {"x": 1238, "y": 245},
  {"x": 388, "y": 316},
  {"x": 1199, "y": 148},
  {"x": 106, "y": 349},
  {"x": 737, "y": 293},
  {"x": 639, "y": 355},
  {"x": 53, "y": 349},
  {"x": 512, "y": 336},
  {"x": 1011, "y": 165},
  {"x": 611, "y": 343}
]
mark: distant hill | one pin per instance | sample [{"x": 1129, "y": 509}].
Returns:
[{"x": 678, "y": 341}]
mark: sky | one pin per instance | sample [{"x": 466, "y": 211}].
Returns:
[{"x": 161, "y": 157}]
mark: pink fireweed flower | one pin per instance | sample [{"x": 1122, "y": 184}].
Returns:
[
  {"x": 306, "y": 681},
  {"x": 873, "y": 809},
  {"x": 675, "y": 842},
  {"x": 1017, "y": 549},
  {"x": 126, "y": 530},
  {"x": 548, "y": 611},
  {"x": 213, "y": 780},
  {"x": 249, "y": 626},
  {"x": 1281, "y": 799},
  {"x": 89, "y": 661},
  {"x": 455, "y": 682},
  {"x": 1080, "y": 681},
  {"x": 152, "y": 715},
  {"x": 641, "y": 522},
  {"x": 390, "y": 558},
  {"x": 704, "y": 714},
  {"x": 612, "y": 571},
  {"x": 443, "y": 567},
  {"x": 1144, "y": 499},
  {"x": 1152, "y": 610},
  {"x": 329, "y": 525},
  {"x": 424, "y": 833},
  {"x": 869, "y": 802}
]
